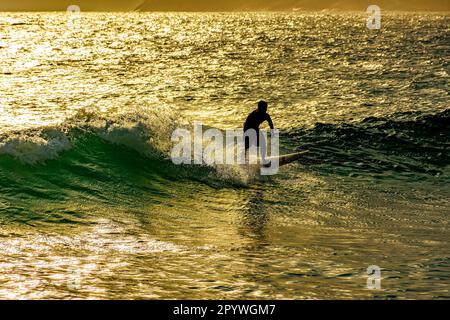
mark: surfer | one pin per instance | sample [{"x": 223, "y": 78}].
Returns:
[{"x": 254, "y": 120}]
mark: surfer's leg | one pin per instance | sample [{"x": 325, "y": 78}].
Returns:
[
  {"x": 251, "y": 145},
  {"x": 247, "y": 143},
  {"x": 263, "y": 147}
]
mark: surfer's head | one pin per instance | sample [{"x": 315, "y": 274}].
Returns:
[{"x": 262, "y": 106}]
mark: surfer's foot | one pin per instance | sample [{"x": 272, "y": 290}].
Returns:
[{"x": 266, "y": 163}]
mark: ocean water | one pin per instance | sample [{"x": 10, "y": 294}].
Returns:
[{"x": 92, "y": 207}]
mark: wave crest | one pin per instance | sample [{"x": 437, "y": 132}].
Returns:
[{"x": 144, "y": 130}]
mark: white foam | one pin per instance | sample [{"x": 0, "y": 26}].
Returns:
[
  {"x": 37, "y": 147},
  {"x": 145, "y": 130}
]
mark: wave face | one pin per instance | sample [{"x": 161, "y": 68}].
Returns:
[{"x": 97, "y": 156}]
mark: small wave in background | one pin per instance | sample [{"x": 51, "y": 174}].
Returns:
[{"x": 404, "y": 145}]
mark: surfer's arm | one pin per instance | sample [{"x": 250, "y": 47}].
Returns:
[{"x": 269, "y": 120}]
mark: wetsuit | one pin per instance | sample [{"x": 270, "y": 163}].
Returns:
[{"x": 254, "y": 120}]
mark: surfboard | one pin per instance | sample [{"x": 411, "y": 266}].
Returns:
[{"x": 286, "y": 159}]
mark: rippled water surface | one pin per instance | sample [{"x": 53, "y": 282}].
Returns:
[{"x": 92, "y": 207}]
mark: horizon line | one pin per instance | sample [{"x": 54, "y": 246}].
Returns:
[{"x": 228, "y": 11}]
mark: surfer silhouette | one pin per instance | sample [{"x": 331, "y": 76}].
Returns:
[{"x": 254, "y": 120}]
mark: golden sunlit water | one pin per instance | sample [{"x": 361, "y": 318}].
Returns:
[{"x": 92, "y": 207}]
